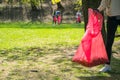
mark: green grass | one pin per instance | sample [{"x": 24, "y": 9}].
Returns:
[
  {"x": 29, "y": 35},
  {"x": 118, "y": 33},
  {"x": 35, "y": 51}
]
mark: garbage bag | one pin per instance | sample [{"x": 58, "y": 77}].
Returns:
[{"x": 91, "y": 50}]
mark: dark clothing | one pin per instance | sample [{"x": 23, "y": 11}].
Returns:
[{"x": 112, "y": 24}]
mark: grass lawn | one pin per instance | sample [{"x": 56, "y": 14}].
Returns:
[
  {"x": 35, "y": 51},
  {"x": 18, "y": 35}
]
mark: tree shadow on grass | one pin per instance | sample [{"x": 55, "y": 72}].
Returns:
[
  {"x": 62, "y": 60},
  {"x": 99, "y": 78},
  {"x": 89, "y": 74},
  {"x": 31, "y": 53},
  {"x": 113, "y": 74},
  {"x": 29, "y": 71},
  {"x": 14, "y": 54}
]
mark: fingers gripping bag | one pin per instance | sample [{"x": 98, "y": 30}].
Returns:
[{"x": 91, "y": 51}]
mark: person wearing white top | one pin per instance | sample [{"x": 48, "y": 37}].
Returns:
[{"x": 112, "y": 9}]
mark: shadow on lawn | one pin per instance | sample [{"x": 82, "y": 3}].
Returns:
[
  {"x": 113, "y": 75},
  {"x": 65, "y": 65},
  {"x": 93, "y": 75},
  {"x": 21, "y": 54},
  {"x": 100, "y": 78},
  {"x": 31, "y": 53}
]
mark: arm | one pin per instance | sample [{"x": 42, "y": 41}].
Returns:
[{"x": 103, "y": 5}]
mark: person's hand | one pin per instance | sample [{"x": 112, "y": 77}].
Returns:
[{"x": 96, "y": 10}]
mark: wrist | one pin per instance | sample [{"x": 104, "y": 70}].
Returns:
[{"x": 99, "y": 9}]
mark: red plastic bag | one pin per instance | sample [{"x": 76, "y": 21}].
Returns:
[{"x": 91, "y": 51}]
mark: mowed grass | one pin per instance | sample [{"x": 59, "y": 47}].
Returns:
[
  {"x": 38, "y": 35},
  {"x": 35, "y": 51}
]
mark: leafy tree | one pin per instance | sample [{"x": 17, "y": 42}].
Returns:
[{"x": 78, "y": 4}]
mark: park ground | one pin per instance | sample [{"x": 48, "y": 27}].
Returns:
[{"x": 35, "y": 51}]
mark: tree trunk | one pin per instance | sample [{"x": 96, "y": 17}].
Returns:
[
  {"x": 1, "y": 1},
  {"x": 60, "y": 7},
  {"x": 34, "y": 11},
  {"x": 50, "y": 5},
  {"x": 85, "y": 11},
  {"x": 24, "y": 12},
  {"x": 41, "y": 11}
]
